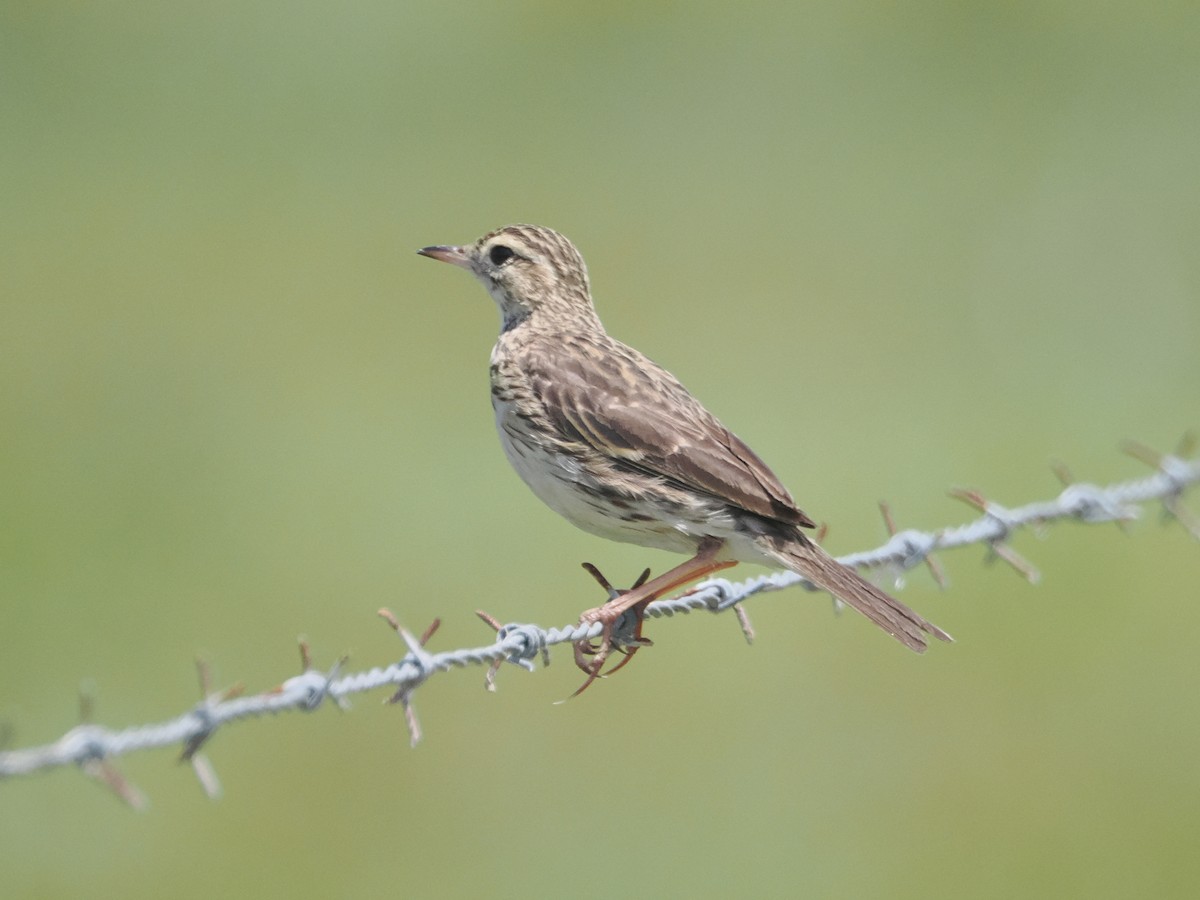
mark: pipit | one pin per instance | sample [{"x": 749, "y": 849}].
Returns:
[{"x": 617, "y": 446}]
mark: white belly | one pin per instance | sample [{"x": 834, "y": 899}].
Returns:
[{"x": 561, "y": 483}]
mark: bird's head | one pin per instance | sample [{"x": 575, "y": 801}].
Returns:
[{"x": 533, "y": 273}]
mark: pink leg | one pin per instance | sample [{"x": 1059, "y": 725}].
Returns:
[{"x": 638, "y": 598}]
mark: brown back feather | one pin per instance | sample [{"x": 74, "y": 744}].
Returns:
[{"x": 615, "y": 400}]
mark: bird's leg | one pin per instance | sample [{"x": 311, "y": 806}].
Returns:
[
  {"x": 627, "y": 646},
  {"x": 614, "y": 593},
  {"x": 587, "y": 648},
  {"x": 637, "y": 599},
  {"x": 703, "y": 563}
]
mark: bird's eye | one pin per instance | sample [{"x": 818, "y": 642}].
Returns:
[{"x": 500, "y": 254}]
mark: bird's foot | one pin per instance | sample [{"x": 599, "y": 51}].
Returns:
[
  {"x": 622, "y": 629},
  {"x": 622, "y": 616}
]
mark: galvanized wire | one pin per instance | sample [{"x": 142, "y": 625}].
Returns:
[{"x": 93, "y": 747}]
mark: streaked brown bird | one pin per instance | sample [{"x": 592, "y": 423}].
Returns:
[{"x": 615, "y": 444}]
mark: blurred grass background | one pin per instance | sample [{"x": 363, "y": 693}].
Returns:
[{"x": 896, "y": 247}]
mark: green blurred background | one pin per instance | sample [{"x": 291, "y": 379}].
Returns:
[{"x": 897, "y": 247}]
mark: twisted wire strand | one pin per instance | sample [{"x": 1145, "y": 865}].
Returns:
[{"x": 93, "y": 747}]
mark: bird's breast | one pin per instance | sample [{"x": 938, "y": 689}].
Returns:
[
  {"x": 602, "y": 502},
  {"x": 563, "y": 480}
]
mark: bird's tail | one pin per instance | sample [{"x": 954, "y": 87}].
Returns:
[{"x": 805, "y": 558}]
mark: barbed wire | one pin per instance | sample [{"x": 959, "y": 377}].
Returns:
[{"x": 93, "y": 747}]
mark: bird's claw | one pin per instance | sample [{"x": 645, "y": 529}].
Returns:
[
  {"x": 625, "y": 634},
  {"x": 622, "y": 632}
]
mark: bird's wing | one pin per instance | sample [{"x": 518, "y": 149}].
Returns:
[{"x": 611, "y": 398}]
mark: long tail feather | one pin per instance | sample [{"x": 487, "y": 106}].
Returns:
[{"x": 806, "y": 558}]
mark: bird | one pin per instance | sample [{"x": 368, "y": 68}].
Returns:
[{"x": 616, "y": 445}]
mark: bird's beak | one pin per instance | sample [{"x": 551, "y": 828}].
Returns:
[{"x": 456, "y": 256}]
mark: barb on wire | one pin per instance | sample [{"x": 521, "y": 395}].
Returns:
[{"x": 92, "y": 747}]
